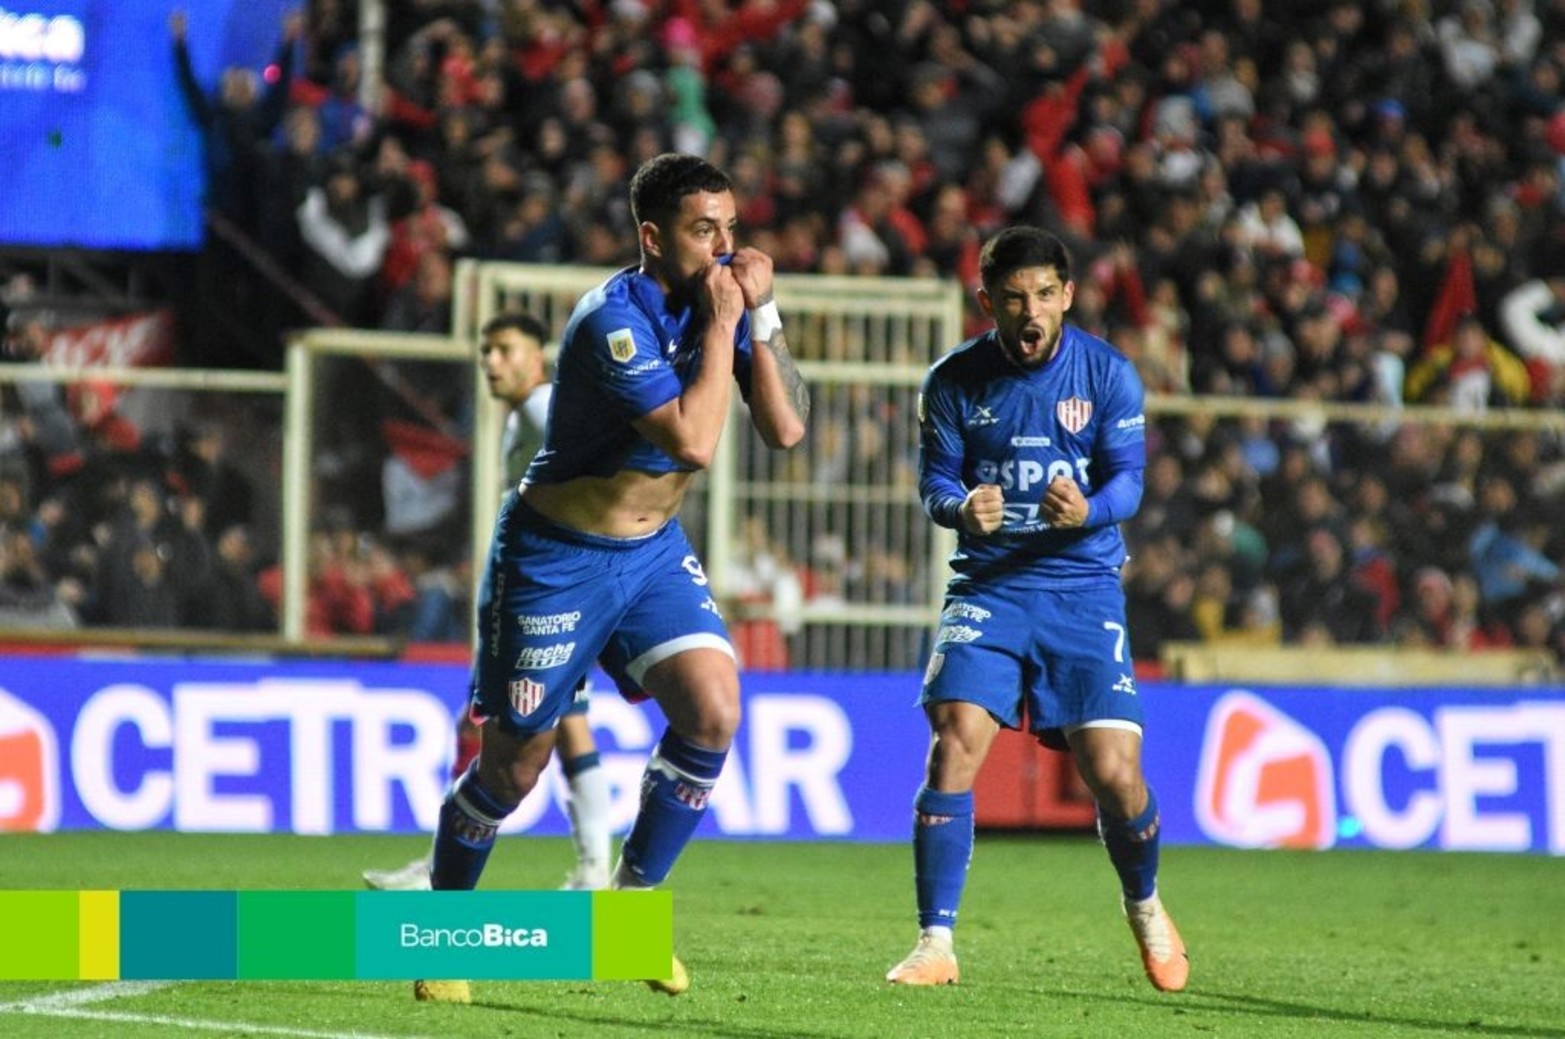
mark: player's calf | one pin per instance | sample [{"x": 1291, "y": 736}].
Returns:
[{"x": 469, "y": 821}]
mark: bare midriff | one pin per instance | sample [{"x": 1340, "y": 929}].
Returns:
[{"x": 628, "y": 504}]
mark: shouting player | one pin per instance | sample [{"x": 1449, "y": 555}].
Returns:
[{"x": 1032, "y": 449}]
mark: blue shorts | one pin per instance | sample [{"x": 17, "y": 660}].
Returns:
[
  {"x": 1057, "y": 658},
  {"x": 553, "y": 600}
]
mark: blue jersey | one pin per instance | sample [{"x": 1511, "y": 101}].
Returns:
[
  {"x": 623, "y": 354},
  {"x": 984, "y": 420}
]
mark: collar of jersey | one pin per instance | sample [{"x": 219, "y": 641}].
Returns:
[{"x": 648, "y": 295}]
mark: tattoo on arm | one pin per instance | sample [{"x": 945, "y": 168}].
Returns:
[{"x": 798, "y": 392}]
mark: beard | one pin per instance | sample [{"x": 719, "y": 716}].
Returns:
[{"x": 1031, "y": 347}]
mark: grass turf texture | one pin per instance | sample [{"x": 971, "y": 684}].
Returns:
[{"x": 791, "y": 941}]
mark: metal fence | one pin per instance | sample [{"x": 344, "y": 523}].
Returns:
[{"x": 822, "y": 556}]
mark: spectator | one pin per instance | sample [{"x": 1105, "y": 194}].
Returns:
[
  {"x": 1320, "y": 601},
  {"x": 1532, "y": 316},
  {"x": 424, "y": 303},
  {"x": 28, "y": 598},
  {"x": 229, "y": 598},
  {"x": 346, "y": 235},
  {"x": 288, "y": 173},
  {"x": 1399, "y": 147},
  {"x": 1470, "y": 373},
  {"x": 1268, "y": 230},
  {"x": 1506, "y": 548},
  {"x": 427, "y": 227},
  {"x": 237, "y": 122}
]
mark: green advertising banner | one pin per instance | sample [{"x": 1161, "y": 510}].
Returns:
[{"x": 335, "y": 935}]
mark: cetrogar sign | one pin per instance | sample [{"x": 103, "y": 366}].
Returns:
[
  {"x": 319, "y": 747},
  {"x": 1450, "y": 769}
]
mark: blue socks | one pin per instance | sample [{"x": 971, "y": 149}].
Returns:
[
  {"x": 468, "y": 822},
  {"x": 580, "y": 763},
  {"x": 942, "y": 848},
  {"x": 1132, "y": 845},
  {"x": 674, "y": 791}
]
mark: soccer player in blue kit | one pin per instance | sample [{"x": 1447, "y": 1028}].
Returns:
[
  {"x": 589, "y": 561},
  {"x": 511, "y": 357},
  {"x": 1032, "y": 448}
]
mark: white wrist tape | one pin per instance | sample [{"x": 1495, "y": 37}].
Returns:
[{"x": 765, "y": 322}]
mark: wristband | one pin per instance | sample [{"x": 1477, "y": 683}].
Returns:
[{"x": 765, "y": 322}]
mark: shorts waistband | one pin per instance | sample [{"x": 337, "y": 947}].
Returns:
[{"x": 530, "y": 519}]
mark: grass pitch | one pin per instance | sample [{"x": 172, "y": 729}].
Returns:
[{"x": 791, "y": 941}]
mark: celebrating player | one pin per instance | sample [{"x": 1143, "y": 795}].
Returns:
[
  {"x": 1032, "y": 448},
  {"x": 589, "y": 561},
  {"x": 511, "y": 356}
]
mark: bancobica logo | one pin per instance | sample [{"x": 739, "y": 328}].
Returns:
[{"x": 485, "y": 936}]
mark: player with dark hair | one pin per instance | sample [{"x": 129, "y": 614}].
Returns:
[
  {"x": 589, "y": 561},
  {"x": 511, "y": 355},
  {"x": 1032, "y": 448}
]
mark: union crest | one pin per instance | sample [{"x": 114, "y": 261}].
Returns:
[
  {"x": 1074, "y": 413},
  {"x": 622, "y": 346},
  {"x": 526, "y": 695}
]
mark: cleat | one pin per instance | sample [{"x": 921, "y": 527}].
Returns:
[
  {"x": 442, "y": 992},
  {"x": 587, "y": 876},
  {"x": 932, "y": 962},
  {"x": 1162, "y": 950},
  {"x": 412, "y": 877},
  {"x": 677, "y": 981}
]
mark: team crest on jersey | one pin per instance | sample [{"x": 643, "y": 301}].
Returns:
[
  {"x": 526, "y": 695},
  {"x": 622, "y": 346},
  {"x": 1074, "y": 413}
]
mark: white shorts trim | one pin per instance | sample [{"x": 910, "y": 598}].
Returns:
[
  {"x": 637, "y": 669},
  {"x": 1103, "y": 723}
]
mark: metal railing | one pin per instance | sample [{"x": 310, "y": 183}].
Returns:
[{"x": 842, "y": 510}]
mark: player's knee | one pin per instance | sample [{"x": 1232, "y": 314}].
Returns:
[
  {"x": 510, "y": 777},
  {"x": 717, "y": 722},
  {"x": 954, "y": 761},
  {"x": 1119, "y": 789}
]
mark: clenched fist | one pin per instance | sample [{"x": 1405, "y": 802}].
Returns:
[
  {"x": 983, "y": 510},
  {"x": 1063, "y": 504}
]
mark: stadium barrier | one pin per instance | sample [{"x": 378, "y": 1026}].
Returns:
[
  {"x": 332, "y": 746},
  {"x": 1353, "y": 666},
  {"x": 841, "y": 512},
  {"x": 839, "y": 516}
]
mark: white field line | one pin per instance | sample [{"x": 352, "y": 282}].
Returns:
[
  {"x": 75, "y": 997},
  {"x": 70, "y": 1004}
]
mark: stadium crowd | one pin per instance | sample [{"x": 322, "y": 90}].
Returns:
[{"x": 1319, "y": 200}]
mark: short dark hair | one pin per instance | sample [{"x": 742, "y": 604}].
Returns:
[
  {"x": 524, "y": 323},
  {"x": 662, "y": 181},
  {"x": 1018, "y": 247}
]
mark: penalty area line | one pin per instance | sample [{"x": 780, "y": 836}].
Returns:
[
  {"x": 199, "y": 1025},
  {"x": 73, "y": 1004},
  {"x": 75, "y": 997}
]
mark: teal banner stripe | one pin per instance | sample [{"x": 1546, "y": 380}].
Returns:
[
  {"x": 522, "y": 935},
  {"x": 179, "y": 935}
]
